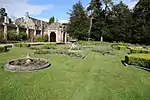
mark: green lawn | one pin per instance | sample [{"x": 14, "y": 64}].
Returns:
[{"x": 97, "y": 77}]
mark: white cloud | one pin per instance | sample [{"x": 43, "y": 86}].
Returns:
[
  {"x": 43, "y": 19},
  {"x": 130, "y": 3},
  {"x": 19, "y": 7},
  {"x": 63, "y": 21},
  {"x": 47, "y": 20}
]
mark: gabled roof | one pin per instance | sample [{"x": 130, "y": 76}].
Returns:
[{"x": 56, "y": 25}]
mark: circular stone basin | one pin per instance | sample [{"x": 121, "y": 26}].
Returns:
[{"x": 25, "y": 65}]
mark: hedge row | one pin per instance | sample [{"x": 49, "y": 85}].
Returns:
[
  {"x": 118, "y": 47},
  {"x": 49, "y": 46},
  {"x": 71, "y": 54},
  {"x": 104, "y": 51},
  {"x": 3, "y": 49},
  {"x": 22, "y": 45},
  {"x": 142, "y": 60},
  {"x": 90, "y": 42},
  {"x": 136, "y": 50},
  {"x": 122, "y": 44}
]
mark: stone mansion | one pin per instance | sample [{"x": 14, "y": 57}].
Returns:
[{"x": 34, "y": 27}]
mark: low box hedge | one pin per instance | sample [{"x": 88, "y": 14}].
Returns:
[
  {"x": 3, "y": 49},
  {"x": 71, "y": 54},
  {"x": 142, "y": 60},
  {"x": 118, "y": 47},
  {"x": 122, "y": 44},
  {"x": 49, "y": 46},
  {"x": 139, "y": 50},
  {"x": 22, "y": 45}
]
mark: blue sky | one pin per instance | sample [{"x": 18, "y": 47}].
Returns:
[
  {"x": 61, "y": 7},
  {"x": 43, "y": 9}
]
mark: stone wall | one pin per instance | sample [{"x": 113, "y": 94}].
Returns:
[
  {"x": 22, "y": 30},
  {"x": 1, "y": 31},
  {"x": 6, "y": 29},
  {"x": 31, "y": 35}
]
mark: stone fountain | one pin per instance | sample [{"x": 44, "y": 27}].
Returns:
[
  {"x": 26, "y": 64},
  {"x": 73, "y": 44}
]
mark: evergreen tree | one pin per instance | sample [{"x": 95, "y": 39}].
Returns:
[
  {"x": 79, "y": 22},
  {"x": 121, "y": 22},
  {"x": 52, "y": 20},
  {"x": 97, "y": 19},
  {"x": 141, "y": 25},
  {"x": 108, "y": 4},
  {"x": 2, "y": 14}
]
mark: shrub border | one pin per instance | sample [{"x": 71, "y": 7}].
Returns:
[{"x": 135, "y": 61}]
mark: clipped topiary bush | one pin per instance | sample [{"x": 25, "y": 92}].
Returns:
[
  {"x": 139, "y": 50},
  {"x": 3, "y": 49},
  {"x": 142, "y": 60},
  {"x": 22, "y": 45}
]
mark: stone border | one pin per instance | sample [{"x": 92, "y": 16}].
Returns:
[{"x": 14, "y": 68}]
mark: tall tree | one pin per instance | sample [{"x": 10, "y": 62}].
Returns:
[
  {"x": 141, "y": 19},
  {"x": 79, "y": 22},
  {"x": 108, "y": 4},
  {"x": 2, "y": 14},
  {"x": 97, "y": 18},
  {"x": 52, "y": 20},
  {"x": 120, "y": 27}
]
